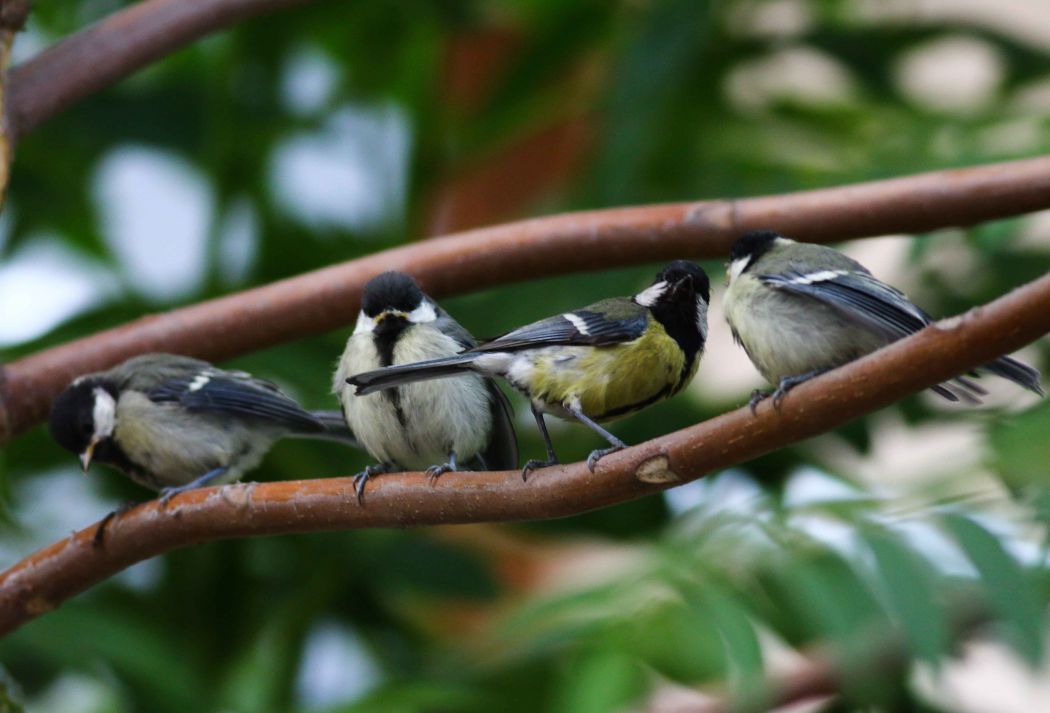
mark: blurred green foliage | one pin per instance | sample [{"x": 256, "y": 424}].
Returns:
[{"x": 686, "y": 99}]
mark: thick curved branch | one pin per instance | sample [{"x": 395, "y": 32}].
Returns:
[
  {"x": 45, "y": 579},
  {"x": 326, "y": 299},
  {"x": 113, "y": 48}
]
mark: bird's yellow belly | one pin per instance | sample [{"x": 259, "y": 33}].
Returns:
[{"x": 608, "y": 382}]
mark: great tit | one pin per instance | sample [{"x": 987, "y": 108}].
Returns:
[
  {"x": 439, "y": 427},
  {"x": 172, "y": 423},
  {"x": 800, "y": 309},
  {"x": 593, "y": 364}
]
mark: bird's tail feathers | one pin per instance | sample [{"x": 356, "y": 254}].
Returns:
[
  {"x": 391, "y": 376},
  {"x": 334, "y": 428},
  {"x": 1018, "y": 372}
]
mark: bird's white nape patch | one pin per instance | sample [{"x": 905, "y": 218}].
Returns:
[
  {"x": 199, "y": 382},
  {"x": 737, "y": 267},
  {"x": 649, "y": 296},
  {"x": 425, "y": 312},
  {"x": 822, "y": 276},
  {"x": 365, "y": 323},
  {"x": 103, "y": 414},
  {"x": 577, "y": 322}
]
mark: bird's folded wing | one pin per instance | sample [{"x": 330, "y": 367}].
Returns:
[
  {"x": 235, "y": 393},
  {"x": 858, "y": 296},
  {"x": 580, "y": 327}
]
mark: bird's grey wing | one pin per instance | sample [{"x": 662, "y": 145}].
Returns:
[
  {"x": 217, "y": 391},
  {"x": 857, "y": 295},
  {"x": 502, "y": 450},
  {"x": 146, "y": 371},
  {"x": 579, "y": 327}
]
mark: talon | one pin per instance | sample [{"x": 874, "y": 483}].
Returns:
[
  {"x": 166, "y": 494},
  {"x": 535, "y": 464},
  {"x": 757, "y": 397},
  {"x": 595, "y": 456},
  {"x": 436, "y": 471},
  {"x": 359, "y": 486}
]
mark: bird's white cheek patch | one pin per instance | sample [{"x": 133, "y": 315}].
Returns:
[
  {"x": 104, "y": 414},
  {"x": 737, "y": 267},
  {"x": 425, "y": 312},
  {"x": 649, "y": 296},
  {"x": 577, "y": 322},
  {"x": 365, "y": 323},
  {"x": 701, "y": 317}
]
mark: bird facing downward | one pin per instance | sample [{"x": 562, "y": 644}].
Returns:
[
  {"x": 800, "y": 309},
  {"x": 439, "y": 427},
  {"x": 593, "y": 364},
  {"x": 172, "y": 423}
]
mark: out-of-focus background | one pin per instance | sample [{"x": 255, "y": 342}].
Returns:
[{"x": 336, "y": 129}]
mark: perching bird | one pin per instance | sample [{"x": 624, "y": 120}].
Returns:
[
  {"x": 172, "y": 423},
  {"x": 800, "y": 309},
  {"x": 593, "y": 364},
  {"x": 437, "y": 427}
]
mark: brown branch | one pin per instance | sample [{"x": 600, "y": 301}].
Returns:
[
  {"x": 45, "y": 579},
  {"x": 113, "y": 48},
  {"x": 326, "y": 299}
]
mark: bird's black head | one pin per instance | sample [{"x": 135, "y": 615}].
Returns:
[
  {"x": 678, "y": 300},
  {"x": 684, "y": 275},
  {"x": 390, "y": 291},
  {"x": 749, "y": 247},
  {"x": 83, "y": 418}
]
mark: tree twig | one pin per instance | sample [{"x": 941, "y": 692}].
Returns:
[
  {"x": 326, "y": 299},
  {"x": 43, "y": 580},
  {"x": 113, "y": 48}
]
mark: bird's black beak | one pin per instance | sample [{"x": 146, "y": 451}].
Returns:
[{"x": 89, "y": 452}]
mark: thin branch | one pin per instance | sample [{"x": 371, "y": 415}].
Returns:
[
  {"x": 113, "y": 48},
  {"x": 326, "y": 299},
  {"x": 47, "y": 578}
]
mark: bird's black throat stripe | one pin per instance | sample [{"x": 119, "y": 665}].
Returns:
[
  {"x": 386, "y": 334},
  {"x": 681, "y": 325}
]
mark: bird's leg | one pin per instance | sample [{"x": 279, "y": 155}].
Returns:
[
  {"x": 789, "y": 382},
  {"x": 100, "y": 531},
  {"x": 435, "y": 471},
  {"x": 166, "y": 494},
  {"x": 617, "y": 444},
  {"x": 361, "y": 478},
  {"x": 552, "y": 459}
]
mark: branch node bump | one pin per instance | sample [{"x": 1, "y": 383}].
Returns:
[
  {"x": 656, "y": 470},
  {"x": 949, "y": 324}
]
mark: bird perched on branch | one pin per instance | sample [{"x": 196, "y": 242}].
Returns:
[
  {"x": 437, "y": 427},
  {"x": 172, "y": 423},
  {"x": 800, "y": 310},
  {"x": 593, "y": 364}
]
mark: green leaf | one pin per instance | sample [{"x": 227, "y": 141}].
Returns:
[
  {"x": 1010, "y": 592},
  {"x": 600, "y": 681},
  {"x": 906, "y": 582},
  {"x": 1020, "y": 448}
]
